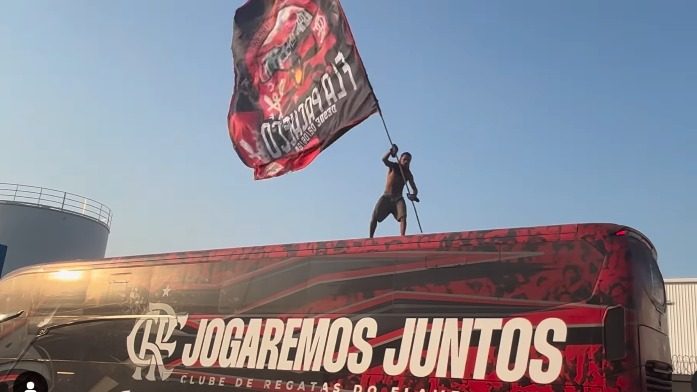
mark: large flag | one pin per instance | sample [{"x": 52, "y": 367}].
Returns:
[{"x": 299, "y": 83}]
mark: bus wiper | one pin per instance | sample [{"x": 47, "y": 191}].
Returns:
[
  {"x": 8, "y": 317},
  {"x": 46, "y": 329}
]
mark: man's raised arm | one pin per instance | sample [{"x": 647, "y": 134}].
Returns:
[{"x": 386, "y": 157}]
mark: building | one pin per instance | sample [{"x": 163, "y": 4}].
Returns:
[
  {"x": 681, "y": 295},
  {"x": 41, "y": 225}
]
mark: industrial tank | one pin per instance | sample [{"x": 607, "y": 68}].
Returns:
[{"x": 41, "y": 225}]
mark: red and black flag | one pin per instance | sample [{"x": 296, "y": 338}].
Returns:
[{"x": 299, "y": 83}]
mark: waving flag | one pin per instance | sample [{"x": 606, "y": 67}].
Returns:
[{"x": 299, "y": 83}]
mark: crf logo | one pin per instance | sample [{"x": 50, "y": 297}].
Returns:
[
  {"x": 320, "y": 28},
  {"x": 291, "y": 24},
  {"x": 157, "y": 326}
]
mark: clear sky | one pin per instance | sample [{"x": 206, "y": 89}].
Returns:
[{"x": 517, "y": 114}]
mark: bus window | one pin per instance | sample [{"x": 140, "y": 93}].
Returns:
[
  {"x": 188, "y": 287},
  {"x": 263, "y": 286},
  {"x": 333, "y": 288},
  {"x": 650, "y": 275},
  {"x": 125, "y": 289},
  {"x": 559, "y": 271},
  {"x": 62, "y": 291},
  {"x": 16, "y": 295},
  {"x": 15, "y": 302}
]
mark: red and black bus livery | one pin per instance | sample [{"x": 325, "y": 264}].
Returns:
[{"x": 577, "y": 307}]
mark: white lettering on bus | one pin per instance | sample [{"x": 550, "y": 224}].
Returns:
[
  {"x": 558, "y": 329},
  {"x": 428, "y": 347}
]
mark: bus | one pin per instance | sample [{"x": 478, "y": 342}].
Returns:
[{"x": 574, "y": 307}]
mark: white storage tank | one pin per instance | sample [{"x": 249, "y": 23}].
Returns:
[
  {"x": 41, "y": 225},
  {"x": 681, "y": 295}
]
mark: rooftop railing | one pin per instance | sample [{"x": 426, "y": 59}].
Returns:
[{"x": 57, "y": 200}]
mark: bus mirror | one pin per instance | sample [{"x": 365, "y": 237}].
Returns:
[{"x": 614, "y": 334}]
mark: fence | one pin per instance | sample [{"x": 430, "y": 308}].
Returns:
[
  {"x": 684, "y": 364},
  {"x": 57, "y": 200}
]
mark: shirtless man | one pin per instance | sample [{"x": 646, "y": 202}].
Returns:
[{"x": 392, "y": 202}]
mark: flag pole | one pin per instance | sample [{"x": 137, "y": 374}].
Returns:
[
  {"x": 416, "y": 213},
  {"x": 377, "y": 102}
]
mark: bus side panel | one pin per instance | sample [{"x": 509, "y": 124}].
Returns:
[{"x": 520, "y": 281}]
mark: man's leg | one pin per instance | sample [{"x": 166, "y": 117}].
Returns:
[
  {"x": 401, "y": 208},
  {"x": 378, "y": 215}
]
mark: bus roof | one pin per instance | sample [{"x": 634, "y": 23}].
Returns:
[{"x": 357, "y": 245}]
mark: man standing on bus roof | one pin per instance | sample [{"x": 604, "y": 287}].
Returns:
[{"x": 392, "y": 202}]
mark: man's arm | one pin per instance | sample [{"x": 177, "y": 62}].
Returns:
[
  {"x": 414, "y": 191},
  {"x": 386, "y": 157}
]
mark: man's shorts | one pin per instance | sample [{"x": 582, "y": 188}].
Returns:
[{"x": 389, "y": 204}]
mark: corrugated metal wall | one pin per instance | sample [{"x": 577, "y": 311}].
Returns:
[{"x": 682, "y": 323}]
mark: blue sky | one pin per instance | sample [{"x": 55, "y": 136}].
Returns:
[{"x": 517, "y": 114}]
